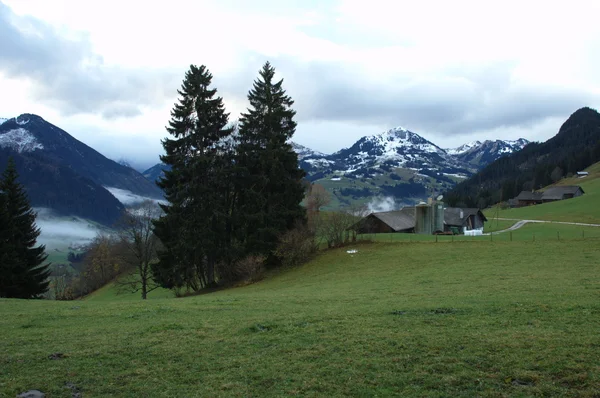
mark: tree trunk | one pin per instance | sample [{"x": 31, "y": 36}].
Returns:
[
  {"x": 210, "y": 272},
  {"x": 144, "y": 288}
]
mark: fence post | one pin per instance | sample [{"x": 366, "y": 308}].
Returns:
[
  {"x": 583, "y": 234},
  {"x": 491, "y": 236},
  {"x": 436, "y": 238},
  {"x": 452, "y": 238},
  {"x": 511, "y": 236},
  {"x": 534, "y": 236},
  {"x": 557, "y": 235}
]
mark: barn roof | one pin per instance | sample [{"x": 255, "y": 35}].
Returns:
[
  {"x": 528, "y": 195},
  {"x": 452, "y": 215},
  {"x": 398, "y": 220},
  {"x": 556, "y": 193}
]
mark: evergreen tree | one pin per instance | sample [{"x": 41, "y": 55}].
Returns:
[
  {"x": 192, "y": 226},
  {"x": 22, "y": 274},
  {"x": 271, "y": 191}
]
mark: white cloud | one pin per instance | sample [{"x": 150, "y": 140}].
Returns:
[{"x": 451, "y": 71}]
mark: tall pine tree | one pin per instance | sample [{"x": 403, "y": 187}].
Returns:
[
  {"x": 194, "y": 222},
  {"x": 271, "y": 190},
  {"x": 22, "y": 272}
]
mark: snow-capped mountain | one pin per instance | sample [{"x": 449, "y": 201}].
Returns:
[
  {"x": 488, "y": 151},
  {"x": 397, "y": 147},
  {"x": 2, "y": 120}
]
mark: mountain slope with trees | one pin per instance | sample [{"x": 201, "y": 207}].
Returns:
[{"x": 575, "y": 147}]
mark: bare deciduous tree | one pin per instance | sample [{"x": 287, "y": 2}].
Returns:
[
  {"x": 139, "y": 247},
  {"x": 336, "y": 227},
  {"x": 317, "y": 197}
]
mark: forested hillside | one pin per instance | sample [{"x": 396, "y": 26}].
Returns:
[{"x": 575, "y": 147}]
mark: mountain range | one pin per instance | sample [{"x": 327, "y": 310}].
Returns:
[
  {"x": 397, "y": 163},
  {"x": 65, "y": 175}
]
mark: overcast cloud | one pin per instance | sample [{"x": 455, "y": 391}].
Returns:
[{"x": 456, "y": 71}]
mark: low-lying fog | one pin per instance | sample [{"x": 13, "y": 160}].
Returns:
[{"x": 61, "y": 232}]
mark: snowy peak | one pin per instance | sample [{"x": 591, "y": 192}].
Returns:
[
  {"x": 398, "y": 139},
  {"x": 518, "y": 144},
  {"x": 20, "y": 140},
  {"x": 305, "y": 152},
  {"x": 463, "y": 148},
  {"x": 392, "y": 144}
]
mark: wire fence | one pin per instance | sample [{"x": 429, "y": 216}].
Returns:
[{"x": 530, "y": 233}]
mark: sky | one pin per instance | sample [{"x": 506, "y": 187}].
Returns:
[{"x": 108, "y": 71}]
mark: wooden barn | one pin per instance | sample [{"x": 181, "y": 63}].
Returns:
[
  {"x": 388, "y": 221},
  {"x": 561, "y": 193},
  {"x": 529, "y": 198}
]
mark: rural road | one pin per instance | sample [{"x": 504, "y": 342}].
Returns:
[{"x": 519, "y": 223}]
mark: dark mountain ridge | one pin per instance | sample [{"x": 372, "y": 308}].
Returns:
[
  {"x": 575, "y": 147},
  {"x": 62, "y": 173}
]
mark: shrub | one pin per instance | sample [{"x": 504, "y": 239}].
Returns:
[
  {"x": 248, "y": 269},
  {"x": 296, "y": 246}
]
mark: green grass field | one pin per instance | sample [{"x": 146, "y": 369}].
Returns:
[
  {"x": 474, "y": 318},
  {"x": 113, "y": 292}
]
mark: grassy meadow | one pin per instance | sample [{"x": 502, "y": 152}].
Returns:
[
  {"x": 474, "y": 318},
  {"x": 507, "y": 314}
]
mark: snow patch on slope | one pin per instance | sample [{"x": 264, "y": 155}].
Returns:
[
  {"x": 2, "y": 120},
  {"x": 20, "y": 140}
]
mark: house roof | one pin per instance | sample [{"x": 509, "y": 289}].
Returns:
[
  {"x": 528, "y": 195},
  {"x": 557, "y": 193},
  {"x": 398, "y": 220},
  {"x": 452, "y": 215}
]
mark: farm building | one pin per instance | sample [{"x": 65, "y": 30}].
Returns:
[
  {"x": 528, "y": 198},
  {"x": 552, "y": 194},
  {"x": 388, "y": 221},
  {"x": 404, "y": 220},
  {"x": 464, "y": 219},
  {"x": 561, "y": 193}
]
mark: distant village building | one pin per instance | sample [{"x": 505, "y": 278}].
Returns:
[
  {"x": 552, "y": 194},
  {"x": 582, "y": 174},
  {"x": 404, "y": 221}
]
